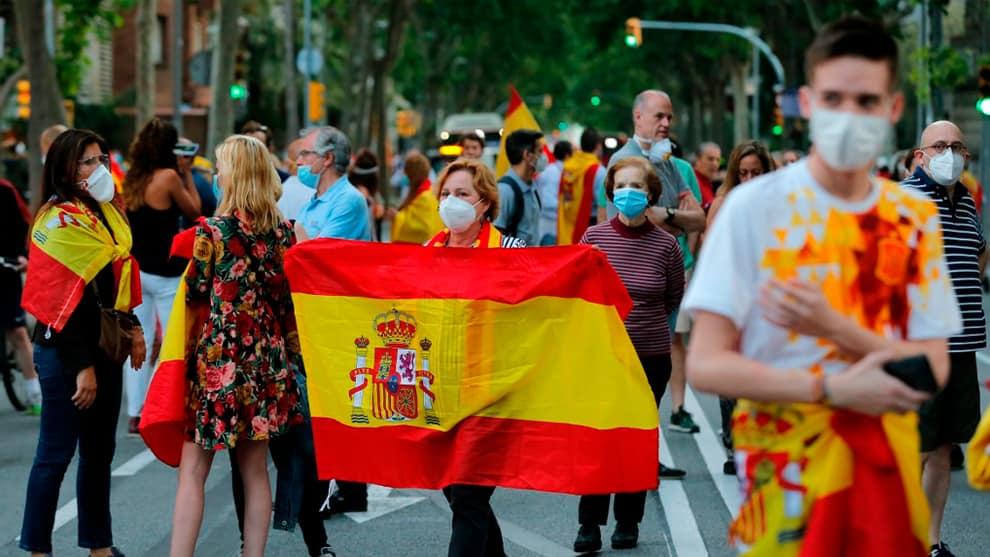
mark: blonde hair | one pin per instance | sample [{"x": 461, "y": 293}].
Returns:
[
  {"x": 484, "y": 182},
  {"x": 252, "y": 184}
]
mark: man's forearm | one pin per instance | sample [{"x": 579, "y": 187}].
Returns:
[
  {"x": 690, "y": 220},
  {"x": 732, "y": 375},
  {"x": 857, "y": 342}
]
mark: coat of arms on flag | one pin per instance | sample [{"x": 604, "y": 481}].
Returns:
[{"x": 393, "y": 375}]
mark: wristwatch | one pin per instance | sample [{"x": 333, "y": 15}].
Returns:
[{"x": 670, "y": 215}]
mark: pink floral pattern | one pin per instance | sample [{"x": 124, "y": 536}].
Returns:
[{"x": 241, "y": 383}]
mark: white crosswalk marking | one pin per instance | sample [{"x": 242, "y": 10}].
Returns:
[
  {"x": 683, "y": 528},
  {"x": 713, "y": 453}
]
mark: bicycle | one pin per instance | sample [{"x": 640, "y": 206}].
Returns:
[{"x": 13, "y": 380}]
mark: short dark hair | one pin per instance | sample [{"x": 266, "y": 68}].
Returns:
[
  {"x": 590, "y": 140},
  {"x": 852, "y": 36},
  {"x": 472, "y": 137},
  {"x": 562, "y": 150},
  {"x": 652, "y": 180},
  {"x": 252, "y": 126},
  {"x": 62, "y": 164},
  {"x": 519, "y": 142}
]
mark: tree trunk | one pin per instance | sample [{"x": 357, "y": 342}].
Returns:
[
  {"x": 144, "y": 103},
  {"x": 717, "y": 125},
  {"x": 291, "y": 90},
  {"x": 224, "y": 52},
  {"x": 740, "y": 106},
  {"x": 935, "y": 43},
  {"x": 46, "y": 99}
]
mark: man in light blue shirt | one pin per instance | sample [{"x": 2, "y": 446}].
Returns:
[
  {"x": 338, "y": 210},
  {"x": 520, "y": 218},
  {"x": 548, "y": 188}
]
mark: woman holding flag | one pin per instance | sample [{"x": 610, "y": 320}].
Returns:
[
  {"x": 468, "y": 204},
  {"x": 242, "y": 390},
  {"x": 81, "y": 271}
]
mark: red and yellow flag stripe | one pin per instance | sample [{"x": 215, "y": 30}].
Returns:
[{"x": 521, "y": 372}]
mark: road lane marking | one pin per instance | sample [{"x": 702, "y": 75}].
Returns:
[
  {"x": 677, "y": 509},
  {"x": 713, "y": 454},
  {"x": 134, "y": 465}
]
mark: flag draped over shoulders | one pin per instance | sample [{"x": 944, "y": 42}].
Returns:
[
  {"x": 70, "y": 245},
  {"x": 480, "y": 366},
  {"x": 577, "y": 190}
]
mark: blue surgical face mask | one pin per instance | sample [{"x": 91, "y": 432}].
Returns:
[
  {"x": 217, "y": 192},
  {"x": 630, "y": 202},
  {"x": 308, "y": 178}
]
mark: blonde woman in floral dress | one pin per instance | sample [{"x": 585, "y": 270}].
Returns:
[{"x": 242, "y": 392}]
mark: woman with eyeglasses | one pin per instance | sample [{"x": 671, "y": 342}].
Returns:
[
  {"x": 157, "y": 196},
  {"x": 748, "y": 160},
  {"x": 81, "y": 265}
]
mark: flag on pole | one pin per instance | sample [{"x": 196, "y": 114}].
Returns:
[
  {"x": 517, "y": 117},
  {"x": 430, "y": 367}
]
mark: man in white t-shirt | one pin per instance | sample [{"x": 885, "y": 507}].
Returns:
[
  {"x": 811, "y": 278},
  {"x": 294, "y": 194}
]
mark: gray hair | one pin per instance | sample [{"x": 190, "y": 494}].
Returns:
[
  {"x": 641, "y": 97},
  {"x": 330, "y": 139},
  {"x": 706, "y": 146}
]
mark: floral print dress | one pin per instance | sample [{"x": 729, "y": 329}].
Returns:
[{"x": 241, "y": 375}]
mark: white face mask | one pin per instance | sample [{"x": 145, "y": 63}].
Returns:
[
  {"x": 660, "y": 149},
  {"x": 99, "y": 185},
  {"x": 848, "y": 141},
  {"x": 946, "y": 168},
  {"x": 542, "y": 162},
  {"x": 457, "y": 215}
]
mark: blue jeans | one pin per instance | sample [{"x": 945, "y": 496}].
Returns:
[{"x": 63, "y": 427}]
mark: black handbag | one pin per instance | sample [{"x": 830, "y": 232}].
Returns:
[{"x": 116, "y": 331}]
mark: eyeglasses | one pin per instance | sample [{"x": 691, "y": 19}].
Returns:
[
  {"x": 941, "y": 146},
  {"x": 309, "y": 153},
  {"x": 92, "y": 161}
]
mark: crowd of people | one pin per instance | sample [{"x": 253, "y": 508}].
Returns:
[{"x": 801, "y": 276}]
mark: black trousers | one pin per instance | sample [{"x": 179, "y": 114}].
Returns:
[
  {"x": 475, "y": 528},
  {"x": 593, "y": 509}
]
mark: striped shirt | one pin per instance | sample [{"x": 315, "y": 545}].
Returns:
[
  {"x": 962, "y": 233},
  {"x": 649, "y": 262}
]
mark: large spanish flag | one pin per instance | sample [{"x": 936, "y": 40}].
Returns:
[
  {"x": 430, "y": 367},
  {"x": 517, "y": 117},
  {"x": 577, "y": 190},
  {"x": 70, "y": 245}
]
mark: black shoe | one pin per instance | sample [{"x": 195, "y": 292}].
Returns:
[
  {"x": 682, "y": 421},
  {"x": 956, "y": 458},
  {"x": 589, "y": 539},
  {"x": 340, "y": 505},
  {"x": 114, "y": 552},
  {"x": 729, "y": 468},
  {"x": 941, "y": 550},
  {"x": 326, "y": 550},
  {"x": 671, "y": 473},
  {"x": 626, "y": 536}
]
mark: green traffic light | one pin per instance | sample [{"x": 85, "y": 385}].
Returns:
[
  {"x": 778, "y": 130},
  {"x": 596, "y": 100},
  {"x": 562, "y": 126},
  {"x": 631, "y": 41},
  {"x": 983, "y": 106},
  {"x": 238, "y": 92}
]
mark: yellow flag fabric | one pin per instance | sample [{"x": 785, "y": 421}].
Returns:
[
  {"x": 978, "y": 456},
  {"x": 420, "y": 220},
  {"x": 517, "y": 117},
  {"x": 577, "y": 185}
]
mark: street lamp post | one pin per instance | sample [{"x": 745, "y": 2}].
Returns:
[{"x": 746, "y": 33}]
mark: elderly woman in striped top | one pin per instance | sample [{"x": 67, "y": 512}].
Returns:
[{"x": 650, "y": 264}]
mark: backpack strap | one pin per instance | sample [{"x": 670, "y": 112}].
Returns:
[{"x": 512, "y": 226}]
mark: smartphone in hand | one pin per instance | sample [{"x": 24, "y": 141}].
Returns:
[{"x": 915, "y": 372}]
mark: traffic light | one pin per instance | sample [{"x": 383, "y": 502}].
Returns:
[
  {"x": 23, "y": 99},
  {"x": 238, "y": 91},
  {"x": 778, "y": 120},
  {"x": 983, "y": 102},
  {"x": 317, "y": 105},
  {"x": 634, "y": 32},
  {"x": 406, "y": 123},
  {"x": 596, "y": 100}
]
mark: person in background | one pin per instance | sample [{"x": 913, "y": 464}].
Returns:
[
  {"x": 707, "y": 160},
  {"x": 186, "y": 154},
  {"x": 263, "y": 134},
  {"x": 748, "y": 160},
  {"x": 952, "y": 415},
  {"x": 240, "y": 394},
  {"x": 47, "y": 137},
  {"x": 417, "y": 218},
  {"x": 80, "y": 383},
  {"x": 363, "y": 174},
  {"x": 156, "y": 196},
  {"x": 548, "y": 188},
  {"x": 338, "y": 210},
  {"x": 472, "y": 146},
  {"x": 295, "y": 195},
  {"x": 15, "y": 223},
  {"x": 648, "y": 260},
  {"x": 582, "y": 185},
  {"x": 519, "y": 214},
  {"x": 791, "y": 156}
]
